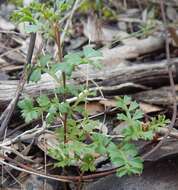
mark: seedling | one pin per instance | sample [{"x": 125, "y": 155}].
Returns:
[{"x": 80, "y": 142}]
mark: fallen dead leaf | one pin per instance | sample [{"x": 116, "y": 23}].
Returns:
[
  {"x": 148, "y": 108},
  {"x": 174, "y": 35},
  {"x": 94, "y": 108},
  {"x": 109, "y": 103}
]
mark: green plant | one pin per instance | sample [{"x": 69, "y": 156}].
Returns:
[
  {"x": 98, "y": 6},
  {"x": 132, "y": 117},
  {"x": 80, "y": 142},
  {"x": 16, "y": 2},
  {"x": 40, "y": 17}
]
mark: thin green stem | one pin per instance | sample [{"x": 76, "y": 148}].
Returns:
[{"x": 60, "y": 57}]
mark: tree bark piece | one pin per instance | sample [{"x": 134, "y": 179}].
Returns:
[
  {"x": 161, "y": 96},
  {"x": 133, "y": 50},
  {"x": 142, "y": 76},
  {"x": 149, "y": 74}
]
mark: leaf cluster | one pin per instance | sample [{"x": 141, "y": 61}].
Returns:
[
  {"x": 39, "y": 17},
  {"x": 85, "y": 143},
  {"x": 99, "y": 6},
  {"x": 46, "y": 64},
  {"x": 123, "y": 155},
  {"x": 132, "y": 115}
]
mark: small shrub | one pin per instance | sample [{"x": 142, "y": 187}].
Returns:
[{"x": 79, "y": 142}]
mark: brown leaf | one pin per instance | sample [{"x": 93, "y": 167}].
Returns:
[
  {"x": 94, "y": 108},
  {"x": 174, "y": 35},
  {"x": 108, "y": 103},
  {"x": 148, "y": 108}
]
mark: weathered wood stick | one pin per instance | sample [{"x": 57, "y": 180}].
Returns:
[
  {"x": 133, "y": 49},
  {"x": 161, "y": 96},
  {"x": 109, "y": 78}
]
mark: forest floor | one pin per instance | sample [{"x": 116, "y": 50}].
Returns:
[{"x": 139, "y": 46}]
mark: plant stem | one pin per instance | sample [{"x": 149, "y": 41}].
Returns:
[
  {"x": 65, "y": 128},
  {"x": 60, "y": 57},
  {"x": 58, "y": 40}
]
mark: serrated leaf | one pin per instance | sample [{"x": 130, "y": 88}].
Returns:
[
  {"x": 43, "y": 101},
  {"x": 36, "y": 75},
  {"x": 88, "y": 163},
  {"x": 148, "y": 135},
  {"x": 122, "y": 117},
  {"x": 30, "y": 116},
  {"x": 121, "y": 172},
  {"x": 50, "y": 117},
  {"x": 64, "y": 107},
  {"x": 65, "y": 67},
  {"x": 91, "y": 53},
  {"x": 101, "y": 141},
  {"x": 74, "y": 58},
  {"x": 26, "y": 18},
  {"x": 127, "y": 100},
  {"x": 44, "y": 60},
  {"x": 120, "y": 104},
  {"x": 138, "y": 115},
  {"x": 130, "y": 149},
  {"x": 137, "y": 162},
  {"x": 53, "y": 108},
  {"x": 133, "y": 105},
  {"x": 26, "y": 104},
  {"x": 29, "y": 112},
  {"x": 136, "y": 170}
]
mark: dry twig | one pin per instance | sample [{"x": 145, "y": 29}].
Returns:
[{"x": 6, "y": 115}]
